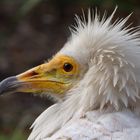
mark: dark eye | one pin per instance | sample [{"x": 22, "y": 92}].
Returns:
[{"x": 68, "y": 67}]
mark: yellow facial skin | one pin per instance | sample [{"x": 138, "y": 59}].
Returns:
[{"x": 55, "y": 77}]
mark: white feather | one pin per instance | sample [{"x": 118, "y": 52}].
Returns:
[{"x": 109, "y": 53}]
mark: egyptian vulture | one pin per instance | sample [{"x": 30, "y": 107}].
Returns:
[{"x": 94, "y": 78}]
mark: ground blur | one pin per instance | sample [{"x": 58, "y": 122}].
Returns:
[{"x": 31, "y": 31}]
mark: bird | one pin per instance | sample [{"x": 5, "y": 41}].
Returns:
[{"x": 94, "y": 80}]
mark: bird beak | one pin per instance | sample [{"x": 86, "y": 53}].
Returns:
[
  {"x": 8, "y": 85},
  {"x": 41, "y": 79}
]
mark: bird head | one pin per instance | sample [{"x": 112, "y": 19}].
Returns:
[
  {"x": 55, "y": 78},
  {"x": 97, "y": 66}
]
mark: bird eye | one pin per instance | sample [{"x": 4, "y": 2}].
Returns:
[{"x": 68, "y": 67}]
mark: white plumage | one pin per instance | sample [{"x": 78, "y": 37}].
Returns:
[{"x": 105, "y": 103}]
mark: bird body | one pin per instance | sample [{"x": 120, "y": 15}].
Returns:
[
  {"x": 95, "y": 78},
  {"x": 96, "y": 125}
]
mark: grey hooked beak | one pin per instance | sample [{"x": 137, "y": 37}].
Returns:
[{"x": 8, "y": 85}]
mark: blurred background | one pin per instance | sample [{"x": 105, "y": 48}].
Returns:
[{"x": 31, "y": 31}]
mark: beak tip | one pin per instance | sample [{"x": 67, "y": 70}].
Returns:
[{"x": 6, "y": 85}]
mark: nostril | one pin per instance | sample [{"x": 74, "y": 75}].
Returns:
[
  {"x": 29, "y": 74},
  {"x": 33, "y": 73}
]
